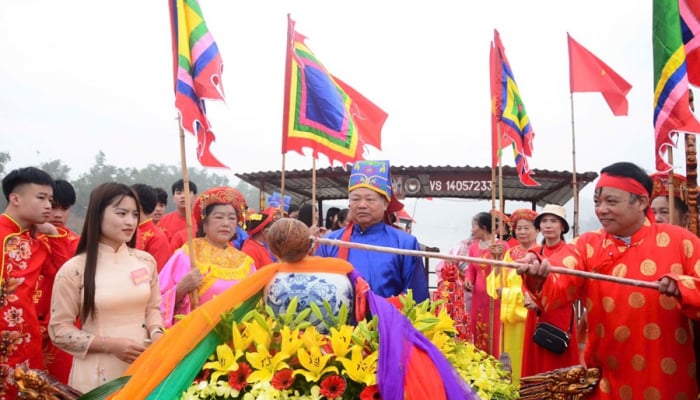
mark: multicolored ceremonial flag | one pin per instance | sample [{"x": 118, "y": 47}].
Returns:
[
  {"x": 508, "y": 113},
  {"x": 671, "y": 101},
  {"x": 322, "y": 112},
  {"x": 197, "y": 73},
  {"x": 587, "y": 73},
  {"x": 690, "y": 31}
]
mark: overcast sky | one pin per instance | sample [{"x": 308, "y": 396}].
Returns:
[{"x": 81, "y": 76}]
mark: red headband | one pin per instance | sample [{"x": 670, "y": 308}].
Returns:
[{"x": 622, "y": 183}]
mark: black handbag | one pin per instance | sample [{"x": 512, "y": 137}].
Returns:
[{"x": 553, "y": 338}]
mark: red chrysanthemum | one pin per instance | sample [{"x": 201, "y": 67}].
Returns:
[
  {"x": 283, "y": 379},
  {"x": 370, "y": 393},
  {"x": 239, "y": 379},
  {"x": 204, "y": 375},
  {"x": 333, "y": 386}
]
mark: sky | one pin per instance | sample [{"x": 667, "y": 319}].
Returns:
[{"x": 82, "y": 76}]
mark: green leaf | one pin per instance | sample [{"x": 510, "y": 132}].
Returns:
[{"x": 102, "y": 392}]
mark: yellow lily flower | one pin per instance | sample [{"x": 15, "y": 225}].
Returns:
[
  {"x": 259, "y": 334},
  {"x": 341, "y": 339},
  {"x": 225, "y": 362},
  {"x": 241, "y": 339},
  {"x": 445, "y": 322},
  {"x": 315, "y": 364},
  {"x": 290, "y": 340},
  {"x": 265, "y": 364},
  {"x": 443, "y": 342},
  {"x": 361, "y": 369},
  {"x": 313, "y": 339}
]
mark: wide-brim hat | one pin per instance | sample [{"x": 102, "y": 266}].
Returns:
[
  {"x": 556, "y": 210},
  {"x": 220, "y": 195},
  {"x": 660, "y": 185},
  {"x": 258, "y": 221},
  {"x": 373, "y": 175}
]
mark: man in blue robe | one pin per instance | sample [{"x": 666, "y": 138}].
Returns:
[{"x": 371, "y": 201}]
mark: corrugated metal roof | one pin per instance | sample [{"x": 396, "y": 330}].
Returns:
[{"x": 425, "y": 181}]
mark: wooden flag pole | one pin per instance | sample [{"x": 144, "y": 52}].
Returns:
[
  {"x": 671, "y": 202},
  {"x": 507, "y": 264},
  {"x": 314, "y": 217},
  {"x": 282, "y": 183},
  {"x": 194, "y": 295},
  {"x": 691, "y": 174},
  {"x": 574, "y": 183}
]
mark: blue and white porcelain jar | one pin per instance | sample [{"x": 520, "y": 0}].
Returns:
[{"x": 310, "y": 288}]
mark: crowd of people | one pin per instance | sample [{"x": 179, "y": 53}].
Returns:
[{"x": 91, "y": 303}]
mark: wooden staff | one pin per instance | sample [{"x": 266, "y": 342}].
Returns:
[
  {"x": 691, "y": 173},
  {"x": 512, "y": 265},
  {"x": 194, "y": 295}
]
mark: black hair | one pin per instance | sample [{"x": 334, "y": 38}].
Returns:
[
  {"x": 342, "y": 216},
  {"x": 161, "y": 195},
  {"x": 100, "y": 198},
  {"x": 147, "y": 197},
  {"x": 483, "y": 220},
  {"x": 25, "y": 176},
  {"x": 630, "y": 170},
  {"x": 63, "y": 194},
  {"x": 306, "y": 214},
  {"x": 180, "y": 185},
  {"x": 333, "y": 211}
]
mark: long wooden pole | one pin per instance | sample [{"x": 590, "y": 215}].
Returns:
[
  {"x": 512, "y": 265},
  {"x": 314, "y": 216},
  {"x": 671, "y": 202},
  {"x": 574, "y": 183},
  {"x": 194, "y": 295}
]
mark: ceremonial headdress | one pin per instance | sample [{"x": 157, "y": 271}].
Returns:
[
  {"x": 660, "y": 187},
  {"x": 258, "y": 221},
  {"x": 376, "y": 176},
  {"x": 220, "y": 195},
  {"x": 373, "y": 175},
  {"x": 556, "y": 210},
  {"x": 522, "y": 213},
  {"x": 275, "y": 200}
]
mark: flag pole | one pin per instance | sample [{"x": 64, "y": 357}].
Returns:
[
  {"x": 671, "y": 202},
  {"x": 194, "y": 295},
  {"x": 314, "y": 217},
  {"x": 574, "y": 183},
  {"x": 691, "y": 173}
]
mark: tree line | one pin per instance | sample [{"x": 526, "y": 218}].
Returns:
[{"x": 154, "y": 175}]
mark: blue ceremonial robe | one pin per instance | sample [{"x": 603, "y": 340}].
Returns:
[{"x": 387, "y": 274}]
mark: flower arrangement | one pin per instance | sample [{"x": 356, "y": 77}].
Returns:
[{"x": 285, "y": 357}]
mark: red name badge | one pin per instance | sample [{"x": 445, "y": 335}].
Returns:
[{"x": 139, "y": 276}]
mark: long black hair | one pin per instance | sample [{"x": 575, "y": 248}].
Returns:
[{"x": 100, "y": 198}]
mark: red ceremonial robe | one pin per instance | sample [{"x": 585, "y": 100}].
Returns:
[
  {"x": 24, "y": 258},
  {"x": 153, "y": 240},
  {"x": 640, "y": 339},
  {"x": 56, "y": 361},
  {"x": 257, "y": 251},
  {"x": 537, "y": 359}
]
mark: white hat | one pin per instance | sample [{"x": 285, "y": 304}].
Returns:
[{"x": 553, "y": 209}]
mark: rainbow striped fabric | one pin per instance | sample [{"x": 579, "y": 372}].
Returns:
[
  {"x": 510, "y": 112},
  {"x": 322, "y": 112},
  {"x": 671, "y": 102},
  {"x": 197, "y": 72}
]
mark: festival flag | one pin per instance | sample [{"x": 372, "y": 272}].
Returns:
[
  {"x": 496, "y": 103},
  {"x": 671, "y": 105},
  {"x": 510, "y": 112},
  {"x": 197, "y": 69},
  {"x": 690, "y": 31},
  {"x": 322, "y": 112},
  {"x": 587, "y": 73}
]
